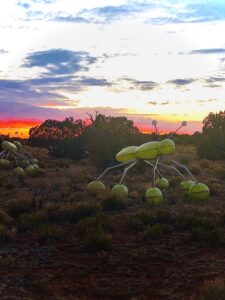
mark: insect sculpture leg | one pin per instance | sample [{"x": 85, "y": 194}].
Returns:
[
  {"x": 14, "y": 157},
  {"x": 19, "y": 155},
  {"x": 185, "y": 168},
  {"x": 25, "y": 153},
  {"x": 151, "y": 164},
  {"x": 154, "y": 170},
  {"x": 127, "y": 169},
  {"x": 114, "y": 167},
  {"x": 2, "y": 153},
  {"x": 173, "y": 168}
]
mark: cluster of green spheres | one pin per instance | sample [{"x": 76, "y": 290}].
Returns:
[
  {"x": 26, "y": 166},
  {"x": 154, "y": 195},
  {"x": 195, "y": 191},
  {"x": 95, "y": 188}
]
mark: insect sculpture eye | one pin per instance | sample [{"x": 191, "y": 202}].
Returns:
[{"x": 184, "y": 123}]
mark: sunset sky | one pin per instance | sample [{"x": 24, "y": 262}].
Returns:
[{"x": 152, "y": 59}]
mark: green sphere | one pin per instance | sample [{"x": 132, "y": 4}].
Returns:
[
  {"x": 166, "y": 147},
  {"x": 95, "y": 188},
  {"x": 186, "y": 185},
  {"x": 148, "y": 150},
  {"x": 17, "y": 144},
  {"x": 30, "y": 170},
  {"x": 34, "y": 161},
  {"x": 24, "y": 163},
  {"x": 162, "y": 183},
  {"x": 36, "y": 166},
  {"x": 120, "y": 191},
  {"x": 199, "y": 191},
  {"x": 126, "y": 154},
  {"x": 154, "y": 196},
  {"x": 4, "y": 162},
  {"x": 18, "y": 172},
  {"x": 8, "y": 146}
]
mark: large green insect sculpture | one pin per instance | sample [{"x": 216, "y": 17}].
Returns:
[
  {"x": 14, "y": 151},
  {"x": 152, "y": 153}
]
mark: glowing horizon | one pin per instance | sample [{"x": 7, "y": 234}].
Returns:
[{"x": 140, "y": 59}]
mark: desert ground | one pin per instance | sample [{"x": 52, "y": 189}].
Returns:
[{"x": 60, "y": 243}]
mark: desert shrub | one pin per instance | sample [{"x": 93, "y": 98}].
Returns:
[
  {"x": 108, "y": 135},
  {"x": 20, "y": 206},
  {"x": 5, "y": 218},
  {"x": 215, "y": 188},
  {"x": 138, "y": 221},
  {"x": 35, "y": 219},
  {"x": 214, "y": 235},
  {"x": 221, "y": 173},
  {"x": 6, "y": 233},
  {"x": 100, "y": 221},
  {"x": 42, "y": 286},
  {"x": 97, "y": 240},
  {"x": 197, "y": 218},
  {"x": 73, "y": 212},
  {"x": 211, "y": 144},
  {"x": 213, "y": 291},
  {"x": 157, "y": 230},
  {"x": 48, "y": 231},
  {"x": 143, "y": 219},
  {"x": 196, "y": 170},
  {"x": 62, "y": 138},
  {"x": 113, "y": 203},
  {"x": 204, "y": 163}
]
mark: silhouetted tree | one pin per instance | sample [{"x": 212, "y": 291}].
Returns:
[
  {"x": 107, "y": 135},
  {"x": 212, "y": 142},
  {"x": 62, "y": 138}
]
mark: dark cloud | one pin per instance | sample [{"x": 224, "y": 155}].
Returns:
[
  {"x": 141, "y": 84},
  {"x": 158, "y": 103},
  {"x": 152, "y": 102},
  {"x": 89, "y": 81},
  {"x": 60, "y": 61},
  {"x": 3, "y": 51},
  {"x": 208, "y": 51},
  {"x": 214, "y": 79},
  {"x": 181, "y": 82}
]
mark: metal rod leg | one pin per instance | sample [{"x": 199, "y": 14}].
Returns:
[
  {"x": 152, "y": 165},
  {"x": 114, "y": 167},
  {"x": 173, "y": 168},
  {"x": 14, "y": 157},
  {"x": 19, "y": 155},
  {"x": 154, "y": 171},
  {"x": 126, "y": 170},
  {"x": 27, "y": 153},
  {"x": 185, "y": 168},
  {"x": 2, "y": 153}
]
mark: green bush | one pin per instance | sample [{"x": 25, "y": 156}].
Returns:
[
  {"x": 100, "y": 221},
  {"x": 29, "y": 221},
  {"x": 97, "y": 240},
  {"x": 157, "y": 230},
  {"x": 113, "y": 203},
  {"x": 6, "y": 233},
  {"x": 20, "y": 206},
  {"x": 213, "y": 291},
  {"x": 48, "y": 231}
]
